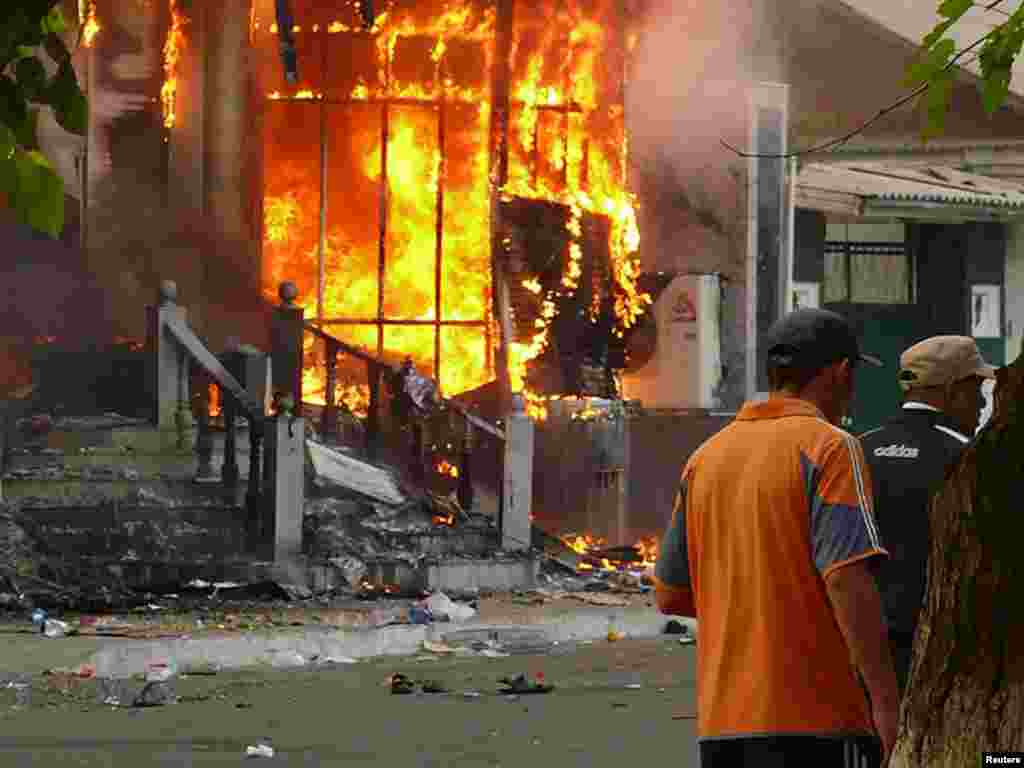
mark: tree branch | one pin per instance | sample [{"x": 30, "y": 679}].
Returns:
[{"x": 879, "y": 115}]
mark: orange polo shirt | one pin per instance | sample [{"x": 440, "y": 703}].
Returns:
[{"x": 766, "y": 509}]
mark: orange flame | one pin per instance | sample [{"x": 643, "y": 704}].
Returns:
[
  {"x": 589, "y": 545},
  {"x": 446, "y": 468},
  {"x": 172, "y": 54},
  {"x": 567, "y": 145},
  {"x": 90, "y": 24},
  {"x": 214, "y": 403}
]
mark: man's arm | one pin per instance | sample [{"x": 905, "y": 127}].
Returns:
[
  {"x": 845, "y": 542},
  {"x": 858, "y": 610},
  {"x": 673, "y": 589}
]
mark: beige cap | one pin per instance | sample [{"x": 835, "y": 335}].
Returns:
[{"x": 942, "y": 360}]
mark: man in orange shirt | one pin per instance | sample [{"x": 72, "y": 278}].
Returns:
[{"x": 770, "y": 547}]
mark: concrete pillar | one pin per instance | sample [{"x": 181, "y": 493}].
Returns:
[
  {"x": 230, "y": 159},
  {"x": 517, "y": 488},
  {"x": 285, "y": 479},
  {"x": 185, "y": 179},
  {"x": 286, "y": 345},
  {"x": 168, "y": 364}
]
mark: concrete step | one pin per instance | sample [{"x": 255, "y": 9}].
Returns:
[
  {"x": 157, "y": 533},
  {"x": 451, "y": 574}
]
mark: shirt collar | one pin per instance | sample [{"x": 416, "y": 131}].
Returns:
[
  {"x": 776, "y": 408},
  {"x": 913, "y": 405}
]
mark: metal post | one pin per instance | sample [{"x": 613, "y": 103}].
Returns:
[
  {"x": 498, "y": 178},
  {"x": 229, "y": 469},
  {"x": 286, "y": 354},
  {"x": 373, "y": 414},
  {"x": 383, "y": 215},
  {"x": 439, "y": 238},
  {"x": 329, "y": 418},
  {"x": 254, "y": 493},
  {"x": 204, "y": 440},
  {"x": 465, "y": 490}
]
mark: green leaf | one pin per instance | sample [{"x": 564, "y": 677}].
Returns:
[
  {"x": 13, "y": 109},
  {"x": 26, "y": 133},
  {"x": 69, "y": 104},
  {"x": 54, "y": 22},
  {"x": 31, "y": 75},
  {"x": 954, "y": 9},
  {"x": 38, "y": 199},
  {"x": 936, "y": 102},
  {"x": 931, "y": 64}
]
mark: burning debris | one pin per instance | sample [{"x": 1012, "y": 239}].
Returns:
[{"x": 596, "y": 555}]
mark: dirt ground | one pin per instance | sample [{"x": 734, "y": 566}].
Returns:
[{"x": 629, "y": 702}]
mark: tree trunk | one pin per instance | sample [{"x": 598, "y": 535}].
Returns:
[{"x": 966, "y": 688}]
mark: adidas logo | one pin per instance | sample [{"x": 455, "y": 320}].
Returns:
[{"x": 897, "y": 452}]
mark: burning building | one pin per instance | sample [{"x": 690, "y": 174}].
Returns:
[
  {"x": 390, "y": 166},
  {"x": 444, "y": 180}
]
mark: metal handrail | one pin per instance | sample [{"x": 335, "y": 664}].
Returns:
[
  {"x": 198, "y": 351},
  {"x": 383, "y": 366}
]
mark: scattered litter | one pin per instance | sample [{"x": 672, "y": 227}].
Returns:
[
  {"x": 430, "y": 645},
  {"x": 420, "y": 615},
  {"x": 471, "y": 694},
  {"x": 491, "y": 653},
  {"x": 201, "y": 669},
  {"x": 687, "y": 640},
  {"x": 287, "y": 660},
  {"x": 260, "y": 750},
  {"x": 613, "y": 630},
  {"x": 440, "y": 605},
  {"x": 520, "y": 685},
  {"x": 674, "y": 627},
  {"x": 159, "y": 687},
  {"x": 54, "y": 628},
  {"x": 633, "y": 686},
  {"x": 338, "y": 660},
  {"x": 432, "y": 686},
  {"x": 400, "y": 684}
]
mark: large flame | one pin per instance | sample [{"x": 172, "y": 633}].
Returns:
[
  {"x": 90, "y": 23},
  {"x": 591, "y": 548},
  {"x": 566, "y": 144},
  {"x": 172, "y": 53}
]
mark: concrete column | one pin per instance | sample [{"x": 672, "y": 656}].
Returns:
[
  {"x": 185, "y": 178},
  {"x": 517, "y": 488},
  {"x": 168, "y": 363},
  {"x": 230, "y": 110},
  {"x": 286, "y": 346},
  {"x": 285, "y": 486},
  {"x": 1014, "y": 291}
]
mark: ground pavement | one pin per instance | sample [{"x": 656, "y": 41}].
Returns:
[{"x": 628, "y": 702}]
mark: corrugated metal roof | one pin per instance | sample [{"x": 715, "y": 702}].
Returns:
[{"x": 931, "y": 184}]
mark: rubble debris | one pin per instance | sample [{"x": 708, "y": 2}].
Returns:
[
  {"x": 444, "y": 609},
  {"x": 673, "y": 627},
  {"x": 352, "y": 568},
  {"x": 420, "y": 615},
  {"x": 333, "y": 467}
]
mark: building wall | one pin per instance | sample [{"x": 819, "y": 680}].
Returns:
[{"x": 1014, "y": 290}]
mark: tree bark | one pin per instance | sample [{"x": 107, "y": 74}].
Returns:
[{"x": 966, "y": 687}]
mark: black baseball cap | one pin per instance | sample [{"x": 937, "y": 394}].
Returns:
[{"x": 814, "y": 338}]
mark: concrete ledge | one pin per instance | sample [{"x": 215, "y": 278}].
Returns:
[{"x": 233, "y": 652}]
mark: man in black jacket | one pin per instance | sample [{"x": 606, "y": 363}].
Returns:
[{"x": 941, "y": 378}]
